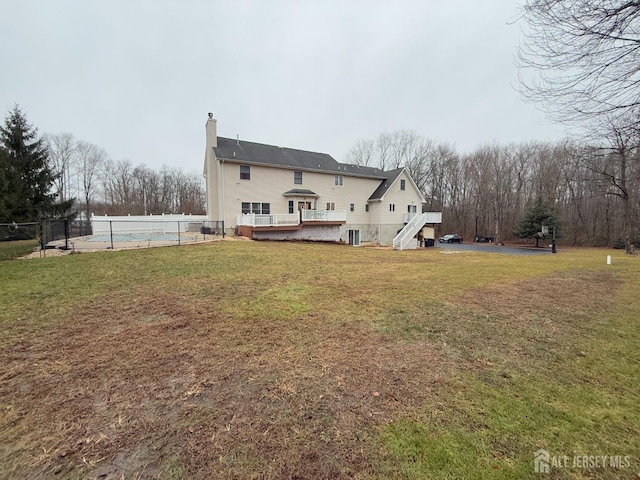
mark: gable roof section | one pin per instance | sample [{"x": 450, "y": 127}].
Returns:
[
  {"x": 386, "y": 184},
  {"x": 261, "y": 154}
]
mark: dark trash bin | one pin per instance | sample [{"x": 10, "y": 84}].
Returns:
[{"x": 429, "y": 242}]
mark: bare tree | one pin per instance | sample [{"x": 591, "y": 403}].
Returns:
[
  {"x": 62, "y": 148},
  {"x": 382, "y": 146},
  {"x": 89, "y": 160},
  {"x": 118, "y": 186},
  {"x": 583, "y": 57},
  {"x": 619, "y": 171},
  {"x": 361, "y": 153},
  {"x": 418, "y": 163},
  {"x": 143, "y": 183}
]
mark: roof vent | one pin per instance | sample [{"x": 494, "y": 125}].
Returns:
[
  {"x": 234, "y": 154},
  {"x": 237, "y": 139}
]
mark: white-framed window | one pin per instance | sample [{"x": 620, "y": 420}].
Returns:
[
  {"x": 339, "y": 180},
  {"x": 291, "y": 206},
  {"x": 297, "y": 178},
  {"x": 331, "y": 206},
  {"x": 411, "y": 209},
  {"x": 256, "y": 207},
  {"x": 352, "y": 207},
  {"x": 245, "y": 172},
  {"x": 403, "y": 184},
  {"x": 392, "y": 207},
  {"x": 366, "y": 207}
]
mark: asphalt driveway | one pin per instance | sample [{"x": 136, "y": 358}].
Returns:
[{"x": 493, "y": 248}]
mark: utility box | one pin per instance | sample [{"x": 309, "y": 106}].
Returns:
[{"x": 429, "y": 236}]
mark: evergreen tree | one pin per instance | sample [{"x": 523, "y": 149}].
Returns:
[
  {"x": 25, "y": 176},
  {"x": 540, "y": 215},
  {"x": 4, "y": 186}
]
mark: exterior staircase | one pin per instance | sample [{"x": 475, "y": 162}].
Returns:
[{"x": 405, "y": 236}]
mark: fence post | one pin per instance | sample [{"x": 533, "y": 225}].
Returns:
[
  {"x": 66, "y": 234},
  {"x": 111, "y": 232},
  {"x": 178, "y": 233},
  {"x": 222, "y": 228},
  {"x": 43, "y": 237}
]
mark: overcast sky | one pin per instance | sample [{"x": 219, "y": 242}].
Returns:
[{"x": 139, "y": 77}]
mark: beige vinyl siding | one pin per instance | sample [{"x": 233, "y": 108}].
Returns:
[
  {"x": 375, "y": 212},
  {"x": 267, "y": 184},
  {"x": 401, "y": 199}
]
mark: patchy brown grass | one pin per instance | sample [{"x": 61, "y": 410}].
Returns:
[
  {"x": 534, "y": 318},
  {"x": 158, "y": 380},
  {"x": 224, "y": 361}
]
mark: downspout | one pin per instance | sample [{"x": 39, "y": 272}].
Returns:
[{"x": 224, "y": 211}]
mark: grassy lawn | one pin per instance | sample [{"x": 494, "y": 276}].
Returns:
[
  {"x": 309, "y": 361},
  {"x": 16, "y": 248}
]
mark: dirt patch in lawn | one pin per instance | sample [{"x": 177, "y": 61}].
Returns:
[
  {"x": 532, "y": 324},
  {"x": 168, "y": 387},
  {"x": 574, "y": 291}
]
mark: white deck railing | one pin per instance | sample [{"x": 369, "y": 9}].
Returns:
[
  {"x": 267, "y": 220},
  {"x": 431, "y": 217},
  {"x": 324, "y": 215},
  {"x": 280, "y": 219}
]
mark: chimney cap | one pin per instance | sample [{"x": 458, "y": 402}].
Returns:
[{"x": 210, "y": 116}]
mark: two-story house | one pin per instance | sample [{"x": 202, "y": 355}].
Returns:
[{"x": 271, "y": 192}]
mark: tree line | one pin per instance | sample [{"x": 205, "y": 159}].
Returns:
[
  {"x": 592, "y": 188},
  {"x": 59, "y": 176},
  {"x": 118, "y": 187},
  {"x": 580, "y": 62}
]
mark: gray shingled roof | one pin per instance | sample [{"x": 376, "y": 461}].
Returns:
[
  {"x": 300, "y": 191},
  {"x": 386, "y": 184},
  {"x": 259, "y": 153}
]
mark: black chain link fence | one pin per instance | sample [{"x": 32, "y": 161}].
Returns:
[
  {"x": 81, "y": 235},
  {"x": 18, "y": 231}
]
